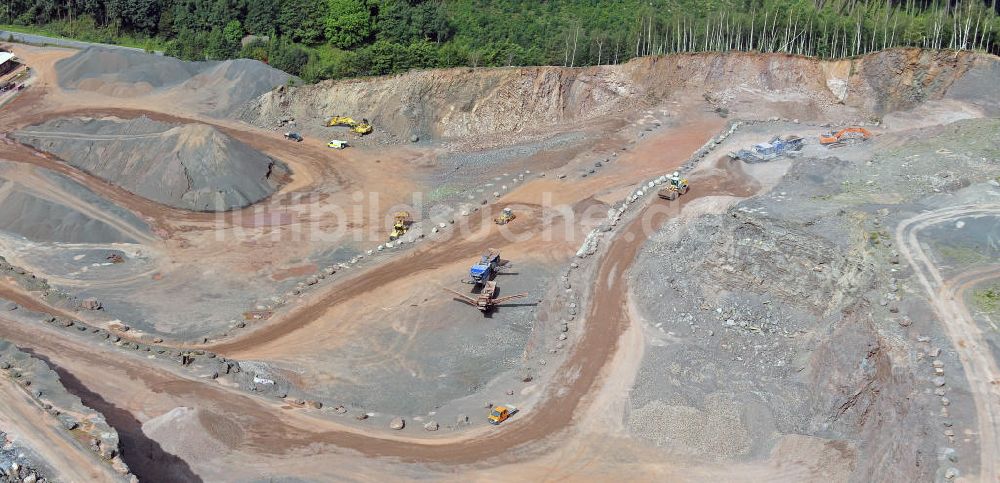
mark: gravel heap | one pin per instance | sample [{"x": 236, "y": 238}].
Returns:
[{"x": 189, "y": 166}]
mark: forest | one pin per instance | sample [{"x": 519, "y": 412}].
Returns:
[{"x": 329, "y": 39}]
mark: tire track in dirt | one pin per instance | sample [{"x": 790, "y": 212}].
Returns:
[{"x": 981, "y": 370}]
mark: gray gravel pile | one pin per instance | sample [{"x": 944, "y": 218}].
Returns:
[
  {"x": 189, "y": 166},
  {"x": 218, "y": 87}
]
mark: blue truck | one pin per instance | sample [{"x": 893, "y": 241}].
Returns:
[{"x": 486, "y": 268}]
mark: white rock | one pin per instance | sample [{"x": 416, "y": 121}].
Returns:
[{"x": 397, "y": 423}]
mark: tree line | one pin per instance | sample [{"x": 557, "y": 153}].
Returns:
[{"x": 326, "y": 39}]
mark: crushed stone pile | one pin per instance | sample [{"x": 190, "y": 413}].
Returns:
[
  {"x": 189, "y": 166},
  {"x": 213, "y": 87}
]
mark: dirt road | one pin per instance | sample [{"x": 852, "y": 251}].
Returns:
[
  {"x": 606, "y": 322},
  {"x": 966, "y": 337}
]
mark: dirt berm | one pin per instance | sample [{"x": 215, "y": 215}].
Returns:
[
  {"x": 189, "y": 166},
  {"x": 46, "y": 391},
  {"x": 457, "y": 103},
  {"x": 215, "y": 87}
]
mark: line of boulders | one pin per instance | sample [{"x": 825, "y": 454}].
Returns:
[
  {"x": 47, "y": 392},
  {"x": 940, "y": 384},
  {"x": 24, "y": 278},
  {"x": 591, "y": 242}
]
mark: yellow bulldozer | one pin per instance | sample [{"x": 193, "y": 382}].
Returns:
[
  {"x": 506, "y": 216},
  {"x": 359, "y": 128},
  {"x": 401, "y": 223}
]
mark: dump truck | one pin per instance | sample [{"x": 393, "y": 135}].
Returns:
[
  {"x": 844, "y": 137},
  {"x": 486, "y": 268},
  {"x": 676, "y": 186},
  {"x": 506, "y": 216},
  {"x": 337, "y": 144},
  {"x": 500, "y": 414},
  {"x": 359, "y": 128},
  {"x": 401, "y": 222}
]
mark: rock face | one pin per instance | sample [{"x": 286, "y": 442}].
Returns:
[
  {"x": 456, "y": 103},
  {"x": 189, "y": 166}
]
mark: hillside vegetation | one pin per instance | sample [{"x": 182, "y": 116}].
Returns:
[{"x": 326, "y": 39}]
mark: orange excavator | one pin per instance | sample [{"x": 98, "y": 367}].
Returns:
[{"x": 844, "y": 137}]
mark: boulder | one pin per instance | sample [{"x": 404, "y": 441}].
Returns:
[
  {"x": 397, "y": 423},
  {"x": 91, "y": 304}
]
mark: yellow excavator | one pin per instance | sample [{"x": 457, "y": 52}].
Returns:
[
  {"x": 359, "y": 128},
  {"x": 401, "y": 223}
]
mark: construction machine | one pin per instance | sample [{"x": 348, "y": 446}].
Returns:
[
  {"x": 359, "y": 128},
  {"x": 487, "y": 298},
  {"x": 676, "y": 186},
  {"x": 487, "y": 267},
  {"x": 500, "y": 414},
  {"x": 776, "y": 147},
  {"x": 844, "y": 137},
  {"x": 401, "y": 222},
  {"x": 506, "y": 216}
]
